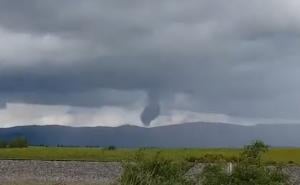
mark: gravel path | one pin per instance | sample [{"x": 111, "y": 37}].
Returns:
[
  {"x": 19, "y": 172},
  {"x": 58, "y": 172}
]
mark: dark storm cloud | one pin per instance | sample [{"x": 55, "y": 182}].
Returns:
[{"x": 238, "y": 57}]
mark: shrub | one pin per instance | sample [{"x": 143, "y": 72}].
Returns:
[
  {"x": 111, "y": 147},
  {"x": 154, "y": 171},
  {"x": 215, "y": 175},
  {"x": 194, "y": 159},
  {"x": 291, "y": 162},
  {"x": 252, "y": 153},
  {"x": 19, "y": 142},
  {"x": 3, "y": 144},
  {"x": 233, "y": 159},
  {"x": 248, "y": 170},
  {"x": 208, "y": 158}
]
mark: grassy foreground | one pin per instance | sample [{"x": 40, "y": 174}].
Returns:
[{"x": 282, "y": 155}]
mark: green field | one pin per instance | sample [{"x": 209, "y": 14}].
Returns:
[{"x": 283, "y": 155}]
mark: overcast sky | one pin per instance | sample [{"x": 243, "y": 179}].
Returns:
[{"x": 97, "y": 62}]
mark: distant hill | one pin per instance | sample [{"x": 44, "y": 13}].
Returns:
[{"x": 183, "y": 135}]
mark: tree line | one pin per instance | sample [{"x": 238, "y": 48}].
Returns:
[{"x": 18, "y": 142}]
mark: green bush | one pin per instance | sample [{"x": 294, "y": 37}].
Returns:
[
  {"x": 19, "y": 142},
  {"x": 194, "y": 159},
  {"x": 111, "y": 147},
  {"x": 249, "y": 170},
  {"x": 154, "y": 171},
  {"x": 252, "y": 153},
  {"x": 215, "y": 175},
  {"x": 212, "y": 158},
  {"x": 3, "y": 144}
]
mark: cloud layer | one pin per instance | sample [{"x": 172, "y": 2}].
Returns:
[{"x": 233, "y": 58}]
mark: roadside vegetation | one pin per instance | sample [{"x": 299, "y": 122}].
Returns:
[
  {"x": 156, "y": 170},
  {"x": 248, "y": 169}
]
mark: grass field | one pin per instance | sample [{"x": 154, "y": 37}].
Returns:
[{"x": 283, "y": 155}]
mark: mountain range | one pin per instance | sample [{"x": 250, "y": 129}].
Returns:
[{"x": 188, "y": 135}]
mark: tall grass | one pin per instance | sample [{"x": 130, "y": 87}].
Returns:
[
  {"x": 248, "y": 170},
  {"x": 156, "y": 170}
]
